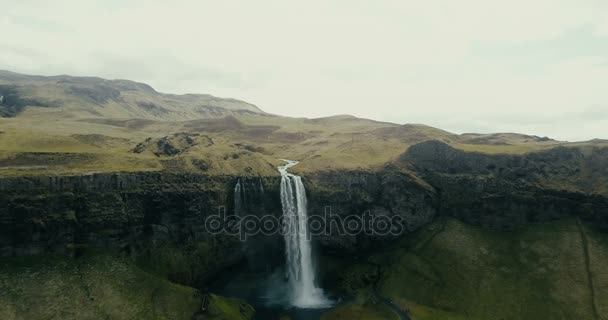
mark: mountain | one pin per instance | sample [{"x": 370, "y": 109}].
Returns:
[
  {"x": 71, "y": 125},
  {"x": 96, "y": 97}
]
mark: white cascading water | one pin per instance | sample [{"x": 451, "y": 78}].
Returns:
[
  {"x": 238, "y": 198},
  {"x": 300, "y": 270}
]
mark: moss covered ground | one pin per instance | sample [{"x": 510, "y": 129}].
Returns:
[
  {"x": 451, "y": 270},
  {"x": 94, "y": 286},
  {"x": 100, "y": 286},
  {"x": 222, "y": 308}
]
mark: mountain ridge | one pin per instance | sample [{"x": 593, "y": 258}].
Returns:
[
  {"x": 71, "y": 125},
  {"x": 118, "y": 98}
]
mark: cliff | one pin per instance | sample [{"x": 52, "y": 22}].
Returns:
[
  {"x": 156, "y": 220},
  {"x": 120, "y": 210},
  {"x": 506, "y": 191}
]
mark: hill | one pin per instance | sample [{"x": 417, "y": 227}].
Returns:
[
  {"x": 96, "y": 97},
  {"x": 73, "y": 125}
]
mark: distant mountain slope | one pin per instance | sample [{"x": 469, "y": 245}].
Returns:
[
  {"x": 73, "y": 125},
  {"x": 96, "y": 97}
]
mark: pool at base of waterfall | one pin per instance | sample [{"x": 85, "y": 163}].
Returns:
[{"x": 269, "y": 293}]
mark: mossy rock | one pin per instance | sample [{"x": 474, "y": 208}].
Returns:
[
  {"x": 361, "y": 311},
  {"x": 222, "y": 308}
]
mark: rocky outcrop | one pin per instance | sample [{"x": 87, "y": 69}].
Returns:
[
  {"x": 172, "y": 145},
  {"x": 505, "y": 191},
  {"x": 388, "y": 193},
  {"x": 41, "y": 214},
  {"x": 12, "y": 101},
  {"x": 578, "y": 169},
  {"x": 136, "y": 213}
]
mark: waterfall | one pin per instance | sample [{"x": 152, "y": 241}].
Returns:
[
  {"x": 239, "y": 195},
  {"x": 299, "y": 267}
]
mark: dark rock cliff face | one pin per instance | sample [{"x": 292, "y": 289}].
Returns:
[
  {"x": 42, "y": 214},
  {"x": 135, "y": 213},
  {"x": 46, "y": 213},
  {"x": 387, "y": 193},
  {"x": 506, "y": 191},
  {"x": 142, "y": 212}
]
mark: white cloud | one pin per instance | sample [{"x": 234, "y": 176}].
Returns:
[{"x": 404, "y": 61}]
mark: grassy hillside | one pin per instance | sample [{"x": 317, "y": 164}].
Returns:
[
  {"x": 100, "y": 286},
  {"x": 71, "y": 125},
  {"x": 365, "y": 310},
  {"x": 90, "y": 287},
  {"x": 81, "y": 97},
  {"x": 450, "y": 270}
]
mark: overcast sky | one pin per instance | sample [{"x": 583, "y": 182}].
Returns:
[{"x": 531, "y": 66}]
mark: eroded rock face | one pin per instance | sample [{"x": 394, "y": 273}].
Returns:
[
  {"x": 13, "y": 102},
  {"x": 387, "y": 193},
  {"x": 172, "y": 145},
  {"x": 573, "y": 169},
  {"x": 506, "y": 191},
  {"x": 133, "y": 211}
]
